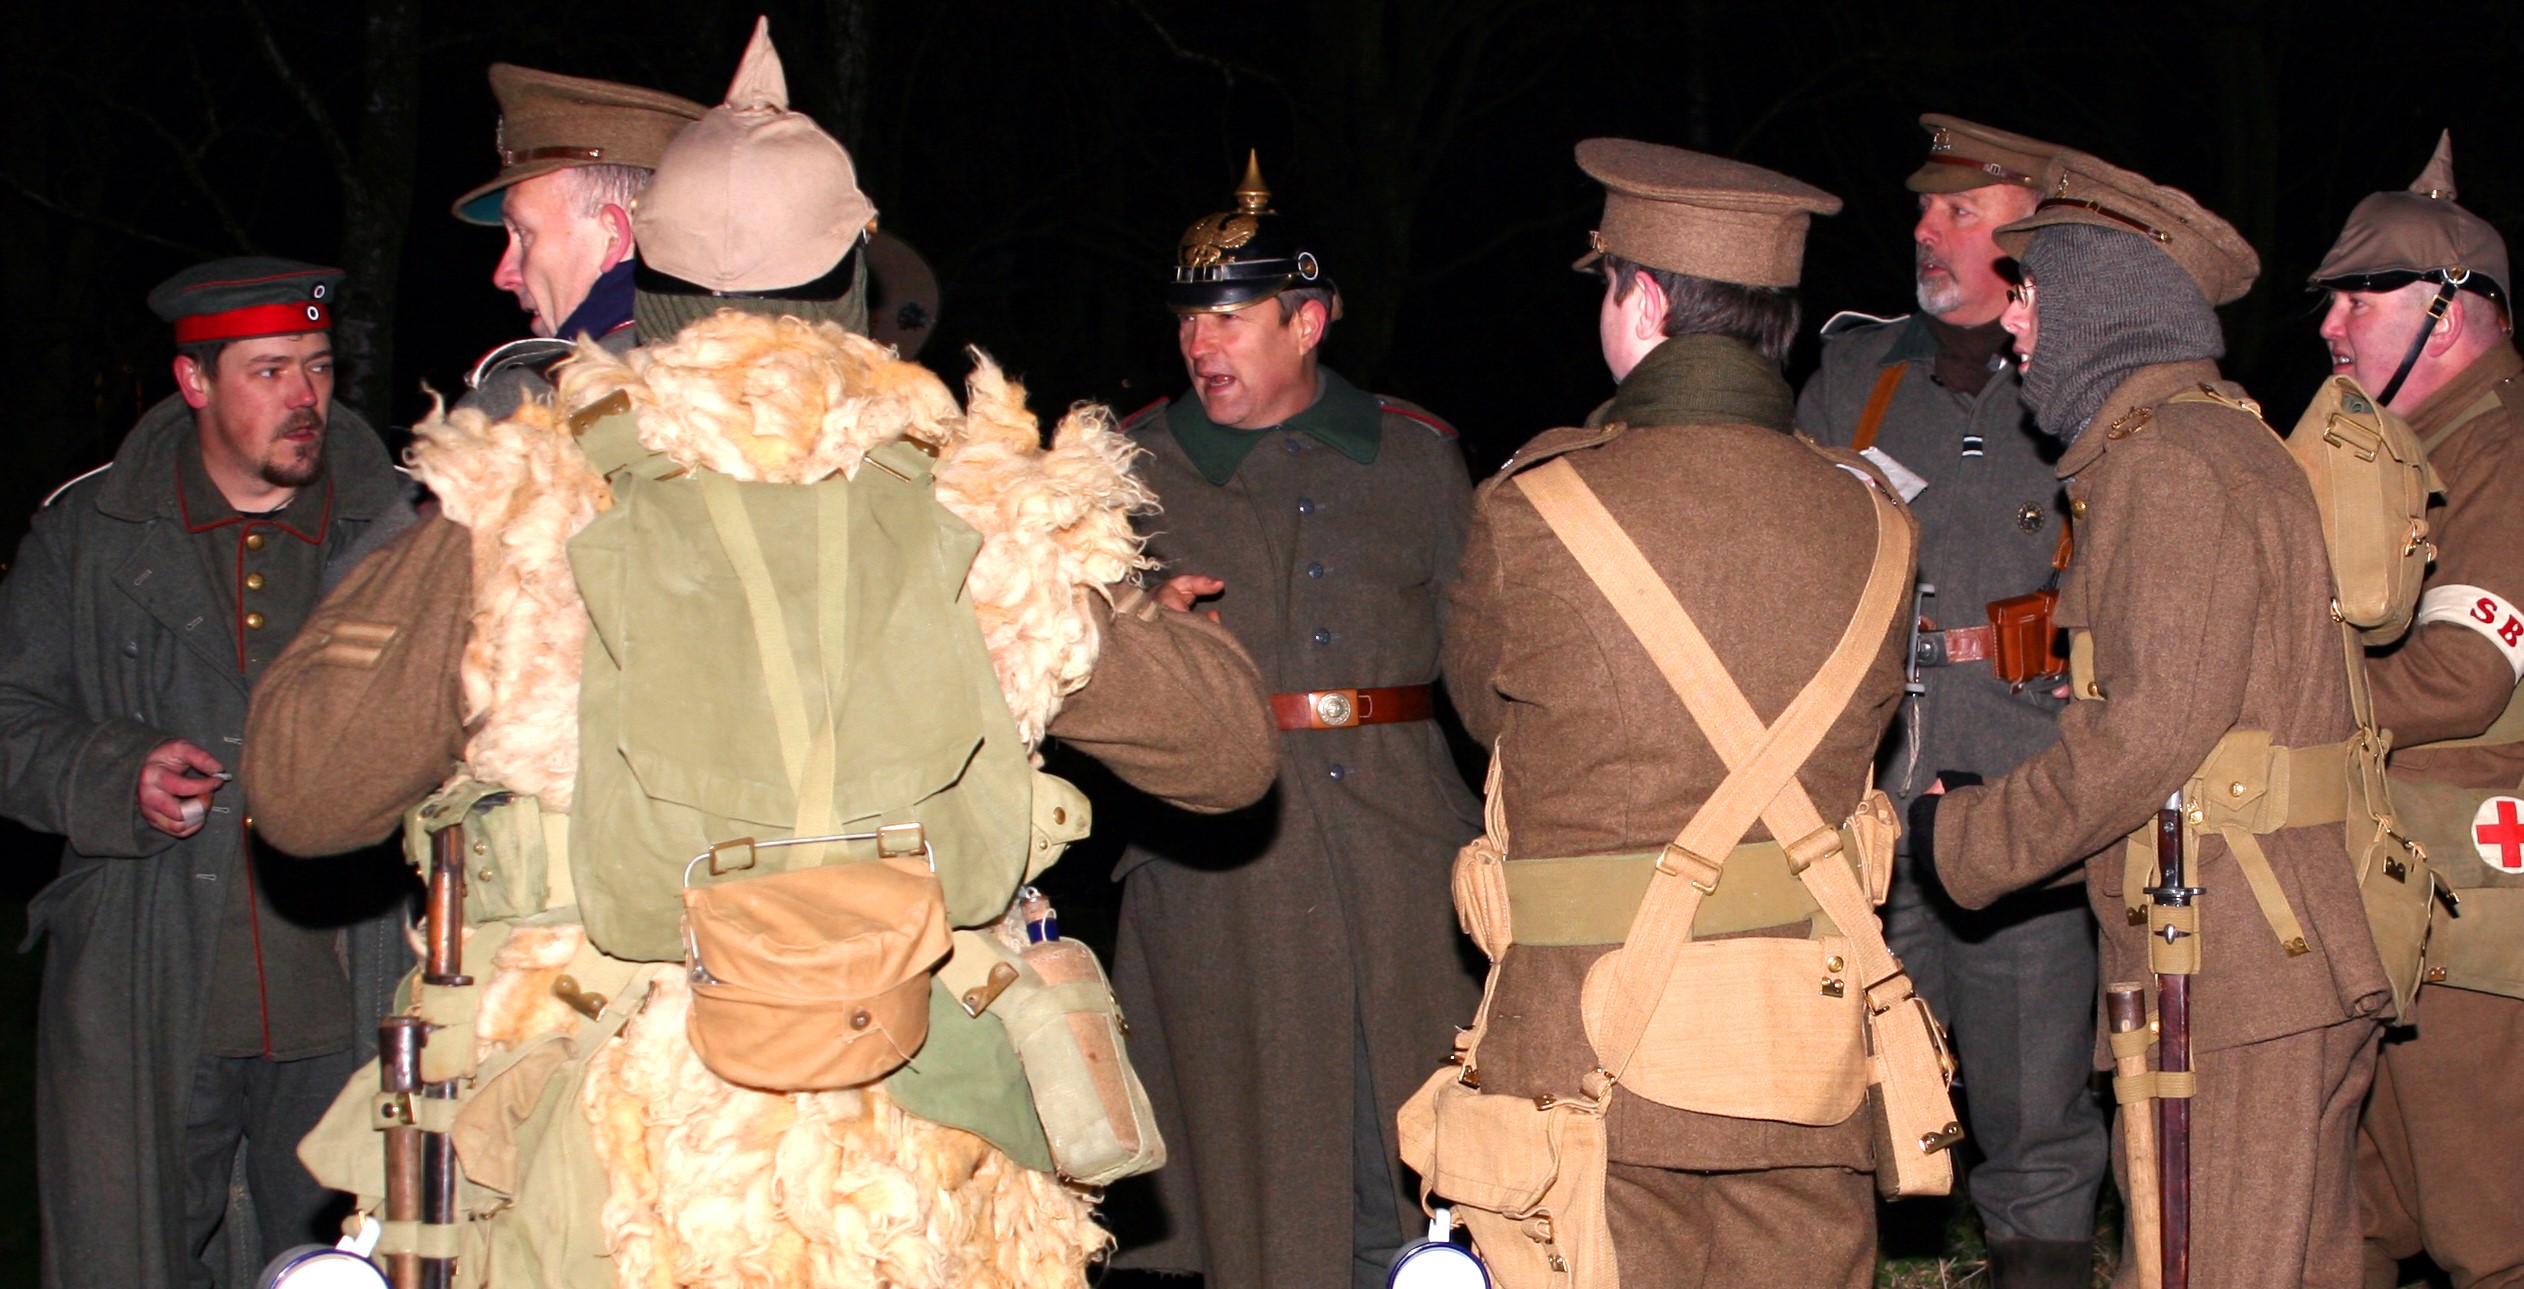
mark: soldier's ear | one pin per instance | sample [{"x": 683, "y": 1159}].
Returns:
[
  {"x": 192, "y": 382},
  {"x": 619, "y": 241},
  {"x": 1312, "y": 320}
]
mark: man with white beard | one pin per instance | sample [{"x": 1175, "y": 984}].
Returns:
[{"x": 1936, "y": 392}]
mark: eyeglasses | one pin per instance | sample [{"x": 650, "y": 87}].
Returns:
[{"x": 2020, "y": 293}]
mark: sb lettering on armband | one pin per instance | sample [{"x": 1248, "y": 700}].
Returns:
[{"x": 2495, "y": 617}]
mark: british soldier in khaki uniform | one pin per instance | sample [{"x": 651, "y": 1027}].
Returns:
[
  {"x": 1600, "y": 763},
  {"x": 2419, "y": 313},
  {"x": 2199, "y": 609},
  {"x": 1291, "y": 972},
  {"x": 574, "y": 155},
  {"x": 1937, "y": 392}
]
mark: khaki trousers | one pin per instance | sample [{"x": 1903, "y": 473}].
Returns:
[
  {"x": 1813, "y": 1228},
  {"x": 2273, "y": 1162},
  {"x": 2441, "y": 1150}
]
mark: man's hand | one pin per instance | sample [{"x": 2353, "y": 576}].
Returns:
[
  {"x": 1180, "y": 592},
  {"x": 175, "y": 786}
]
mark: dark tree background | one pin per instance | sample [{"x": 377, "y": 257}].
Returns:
[{"x": 1045, "y": 156}]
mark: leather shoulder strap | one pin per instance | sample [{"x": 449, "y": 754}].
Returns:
[
  {"x": 1871, "y": 417},
  {"x": 1763, "y": 762}
]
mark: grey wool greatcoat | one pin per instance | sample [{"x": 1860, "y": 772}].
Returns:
[
  {"x": 112, "y": 641},
  {"x": 1260, "y": 947}
]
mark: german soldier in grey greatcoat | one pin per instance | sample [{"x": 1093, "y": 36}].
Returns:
[
  {"x": 198, "y": 992},
  {"x": 1292, "y": 971},
  {"x": 1937, "y": 393}
]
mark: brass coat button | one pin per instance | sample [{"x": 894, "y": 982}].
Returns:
[
  {"x": 2077, "y": 509},
  {"x": 254, "y": 622},
  {"x": 254, "y": 541},
  {"x": 254, "y": 581}
]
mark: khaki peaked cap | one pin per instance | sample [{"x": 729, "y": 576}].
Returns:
[
  {"x": 1964, "y": 155},
  {"x": 553, "y": 122},
  {"x": 2081, "y": 189},
  {"x": 2421, "y": 230},
  {"x": 1689, "y": 212}
]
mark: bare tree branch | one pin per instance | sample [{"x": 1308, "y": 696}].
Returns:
[
  {"x": 43, "y": 202},
  {"x": 298, "y": 87},
  {"x": 1227, "y": 71}
]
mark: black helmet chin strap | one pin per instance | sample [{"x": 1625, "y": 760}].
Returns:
[{"x": 2450, "y": 283}]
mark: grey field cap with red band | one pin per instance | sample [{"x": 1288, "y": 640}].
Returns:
[
  {"x": 2081, "y": 189},
  {"x": 553, "y": 122},
  {"x": 2421, "y": 230},
  {"x": 1709, "y": 217},
  {"x": 1963, "y": 155},
  {"x": 752, "y": 197}
]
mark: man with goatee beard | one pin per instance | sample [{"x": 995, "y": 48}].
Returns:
[
  {"x": 1937, "y": 392},
  {"x": 199, "y": 999}
]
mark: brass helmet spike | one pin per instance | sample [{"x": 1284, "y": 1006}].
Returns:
[{"x": 1252, "y": 197}]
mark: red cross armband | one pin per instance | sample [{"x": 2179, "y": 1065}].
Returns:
[{"x": 2492, "y": 615}]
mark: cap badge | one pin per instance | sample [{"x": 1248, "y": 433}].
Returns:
[
  {"x": 1940, "y": 141},
  {"x": 1207, "y": 242}
]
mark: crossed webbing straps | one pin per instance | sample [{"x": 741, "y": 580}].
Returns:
[{"x": 1762, "y": 763}]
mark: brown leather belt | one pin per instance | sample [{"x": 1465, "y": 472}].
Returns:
[
  {"x": 1339, "y": 709},
  {"x": 1960, "y": 645}
]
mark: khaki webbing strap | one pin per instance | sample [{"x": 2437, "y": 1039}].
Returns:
[
  {"x": 808, "y": 757},
  {"x": 2130, "y": 1089},
  {"x": 1761, "y": 779},
  {"x": 1871, "y": 417},
  {"x": 424, "y": 1239}
]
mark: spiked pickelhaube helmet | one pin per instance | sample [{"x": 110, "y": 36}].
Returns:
[{"x": 1241, "y": 257}]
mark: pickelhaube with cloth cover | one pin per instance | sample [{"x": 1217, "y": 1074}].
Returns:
[
  {"x": 1688, "y": 212},
  {"x": 754, "y": 207},
  {"x": 2082, "y": 189},
  {"x": 1236, "y": 258},
  {"x": 2419, "y": 235},
  {"x": 553, "y": 122},
  {"x": 1964, "y": 155},
  {"x": 244, "y": 297}
]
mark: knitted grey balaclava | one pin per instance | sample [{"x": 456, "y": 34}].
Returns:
[{"x": 2109, "y": 303}]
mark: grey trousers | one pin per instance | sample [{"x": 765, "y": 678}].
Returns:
[
  {"x": 2016, "y": 985},
  {"x": 259, "y": 1108}
]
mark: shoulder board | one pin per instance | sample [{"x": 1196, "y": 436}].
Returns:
[
  {"x": 55, "y": 494},
  {"x": 1851, "y": 320},
  {"x": 1444, "y": 431},
  {"x": 1143, "y": 414},
  {"x": 530, "y": 350}
]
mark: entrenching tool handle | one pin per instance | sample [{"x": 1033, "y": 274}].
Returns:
[
  {"x": 2125, "y": 1010},
  {"x": 399, "y": 1074},
  {"x": 2173, "y": 1015}
]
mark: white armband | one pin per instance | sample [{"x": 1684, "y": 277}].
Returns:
[{"x": 2486, "y": 612}]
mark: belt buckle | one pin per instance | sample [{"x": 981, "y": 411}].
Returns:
[{"x": 1335, "y": 708}]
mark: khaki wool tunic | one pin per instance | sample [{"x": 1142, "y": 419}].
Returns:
[
  {"x": 1259, "y": 949},
  {"x": 1695, "y": 459},
  {"x": 2202, "y": 578}
]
